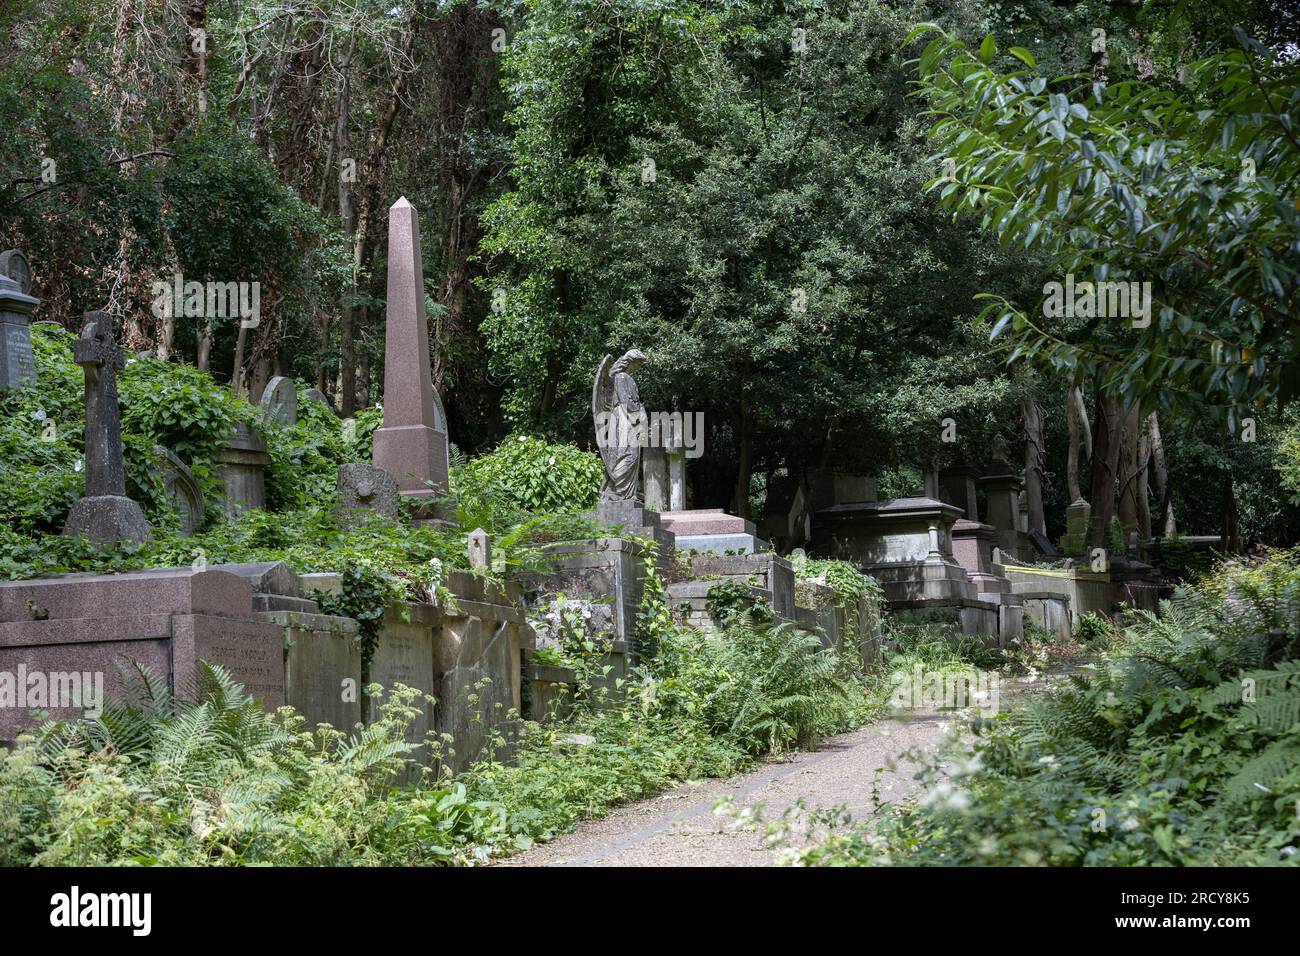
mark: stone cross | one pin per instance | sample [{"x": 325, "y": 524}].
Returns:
[
  {"x": 410, "y": 444},
  {"x": 100, "y": 357},
  {"x": 105, "y": 516}
]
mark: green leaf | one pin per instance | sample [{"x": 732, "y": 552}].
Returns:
[{"x": 1024, "y": 56}]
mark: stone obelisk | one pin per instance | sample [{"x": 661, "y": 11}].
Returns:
[{"x": 412, "y": 444}]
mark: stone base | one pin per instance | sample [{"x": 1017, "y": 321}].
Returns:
[
  {"x": 107, "y": 521},
  {"x": 631, "y": 515},
  {"x": 722, "y": 543},
  {"x": 416, "y": 455}
]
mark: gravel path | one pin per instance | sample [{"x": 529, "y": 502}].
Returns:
[{"x": 679, "y": 828}]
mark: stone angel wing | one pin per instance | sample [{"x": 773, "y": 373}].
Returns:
[{"x": 602, "y": 402}]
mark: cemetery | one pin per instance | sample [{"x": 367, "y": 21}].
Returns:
[{"x": 651, "y": 450}]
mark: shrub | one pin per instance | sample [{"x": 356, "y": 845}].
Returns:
[{"x": 526, "y": 474}]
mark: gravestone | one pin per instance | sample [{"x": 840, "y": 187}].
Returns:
[
  {"x": 105, "y": 515},
  {"x": 480, "y": 549},
  {"x": 181, "y": 489},
  {"x": 17, "y": 366},
  {"x": 1077, "y": 518},
  {"x": 654, "y": 473},
  {"x": 316, "y": 395},
  {"x": 364, "y": 491},
  {"x": 280, "y": 401},
  {"x": 241, "y": 462},
  {"x": 409, "y": 445}
]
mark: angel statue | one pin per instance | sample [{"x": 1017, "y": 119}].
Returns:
[{"x": 620, "y": 422}]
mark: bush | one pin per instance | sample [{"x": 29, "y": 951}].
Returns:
[{"x": 526, "y": 475}]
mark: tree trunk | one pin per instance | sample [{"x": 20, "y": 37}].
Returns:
[
  {"x": 1105, "y": 468},
  {"x": 1076, "y": 421},
  {"x": 1130, "y": 465},
  {"x": 1231, "y": 525},
  {"x": 1035, "y": 456},
  {"x": 1166, "y": 522},
  {"x": 744, "y": 466}
]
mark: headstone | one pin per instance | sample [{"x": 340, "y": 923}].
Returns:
[
  {"x": 241, "y": 463},
  {"x": 409, "y": 445},
  {"x": 280, "y": 401},
  {"x": 1077, "y": 517},
  {"x": 1002, "y": 494},
  {"x": 364, "y": 491},
  {"x": 105, "y": 515},
  {"x": 957, "y": 487},
  {"x": 17, "y": 366},
  {"x": 181, "y": 489},
  {"x": 316, "y": 395},
  {"x": 480, "y": 549},
  {"x": 654, "y": 467},
  {"x": 1044, "y": 545},
  {"x": 676, "y": 480}
]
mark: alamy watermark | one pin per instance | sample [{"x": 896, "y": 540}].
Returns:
[
  {"x": 208, "y": 300},
  {"x": 51, "y": 690},
  {"x": 919, "y": 689},
  {"x": 669, "y": 430},
  {"x": 1104, "y": 300}
]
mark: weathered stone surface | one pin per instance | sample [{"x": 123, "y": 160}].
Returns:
[
  {"x": 322, "y": 667},
  {"x": 409, "y": 445},
  {"x": 316, "y": 395},
  {"x": 1002, "y": 492},
  {"x": 615, "y": 408},
  {"x": 365, "y": 492},
  {"x": 108, "y": 521},
  {"x": 241, "y": 463},
  {"x": 654, "y": 468},
  {"x": 480, "y": 549},
  {"x": 1077, "y": 517},
  {"x": 280, "y": 401},
  {"x": 166, "y": 620},
  {"x": 253, "y": 652},
  {"x": 17, "y": 367},
  {"x": 267, "y": 577},
  {"x": 600, "y": 570},
  {"x": 181, "y": 489},
  {"x": 957, "y": 487},
  {"x": 163, "y": 590},
  {"x": 105, "y": 516}
]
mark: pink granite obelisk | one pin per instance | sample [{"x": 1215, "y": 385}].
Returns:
[{"x": 410, "y": 445}]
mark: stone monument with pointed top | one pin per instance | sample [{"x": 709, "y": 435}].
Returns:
[
  {"x": 412, "y": 443},
  {"x": 105, "y": 515}
]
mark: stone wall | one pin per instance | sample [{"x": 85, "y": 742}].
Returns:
[{"x": 259, "y": 622}]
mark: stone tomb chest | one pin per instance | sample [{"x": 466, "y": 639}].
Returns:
[{"x": 166, "y": 620}]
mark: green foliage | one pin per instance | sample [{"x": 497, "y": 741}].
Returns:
[
  {"x": 209, "y": 779},
  {"x": 1180, "y": 748},
  {"x": 731, "y": 601},
  {"x": 1189, "y": 188},
  {"x": 761, "y": 686},
  {"x": 364, "y": 596},
  {"x": 526, "y": 475}
]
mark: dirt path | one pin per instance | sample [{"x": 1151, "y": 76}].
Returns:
[{"x": 679, "y": 828}]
